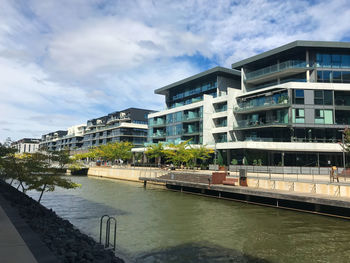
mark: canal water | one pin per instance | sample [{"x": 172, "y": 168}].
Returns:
[{"x": 159, "y": 225}]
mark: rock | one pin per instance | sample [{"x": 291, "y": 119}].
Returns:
[{"x": 61, "y": 237}]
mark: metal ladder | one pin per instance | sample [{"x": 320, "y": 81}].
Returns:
[{"x": 108, "y": 230}]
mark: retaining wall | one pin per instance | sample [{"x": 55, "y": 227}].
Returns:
[
  {"x": 334, "y": 189},
  {"x": 121, "y": 173}
]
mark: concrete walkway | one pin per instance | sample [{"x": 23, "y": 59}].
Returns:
[
  {"x": 12, "y": 246},
  {"x": 18, "y": 242}
]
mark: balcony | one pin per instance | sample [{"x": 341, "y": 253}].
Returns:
[
  {"x": 249, "y": 124},
  {"x": 190, "y": 131},
  {"x": 283, "y": 69},
  {"x": 191, "y": 116},
  {"x": 158, "y": 122},
  {"x": 221, "y": 108},
  {"x": 256, "y": 105},
  {"x": 158, "y": 134},
  {"x": 118, "y": 119}
]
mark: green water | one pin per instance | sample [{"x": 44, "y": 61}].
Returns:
[{"x": 158, "y": 225}]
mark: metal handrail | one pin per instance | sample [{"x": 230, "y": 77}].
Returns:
[{"x": 108, "y": 230}]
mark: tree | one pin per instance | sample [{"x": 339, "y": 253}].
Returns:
[
  {"x": 346, "y": 144},
  {"x": 5, "y": 152},
  {"x": 155, "y": 151},
  {"x": 185, "y": 154},
  {"x": 202, "y": 153},
  {"x": 62, "y": 157},
  {"x": 109, "y": 152},
  {"x": 34, "y": 172}
]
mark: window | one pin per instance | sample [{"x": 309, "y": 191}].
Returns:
[
  {"x": 323, "y": 116},
  {"x": 299, "y": 96},
  {"x": 318, "y": 97},
  {"x": 336, "y": 61},
  {"x": 298, "y": 116},
  {"x": 336, "y": 77},
  {"x": 346, "y": 77},
  {"x": 323, "y": 97}
]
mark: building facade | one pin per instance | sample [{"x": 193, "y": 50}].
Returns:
[
  {"x": 26, "y": 145},
  {"x": 196, "y": 108},
  {"x": 127, "y": 125},
  {"x": 289, "y": 107}
]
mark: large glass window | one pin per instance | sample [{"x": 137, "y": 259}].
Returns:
[
  {"x": 323, "y": 97},
  {"x": 333, "y": 60},
  {"x": 336, "y": 77},
  {"x": 178, "y": 129},
  {"x": 323, "y": 116},
  {"x": 298, "y": 96},
  {"x": 298, "y": 116},
  {"x": 345, "y": 63},
  {"x": 333, "y": 76}
]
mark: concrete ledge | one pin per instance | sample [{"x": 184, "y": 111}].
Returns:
[
  {"x": 128, "y": 174},
  {"x": 274, "y": 197}
]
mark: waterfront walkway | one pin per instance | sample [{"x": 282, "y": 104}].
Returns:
[
  {"x": 12, "y": 246},
  {"x": 18, "y": 243}
]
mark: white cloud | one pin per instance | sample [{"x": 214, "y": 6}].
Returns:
[
  {"x": 63, "y": 62},
  {"x": 118, "y": 45}
]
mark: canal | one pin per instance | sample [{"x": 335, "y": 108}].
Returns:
[{"x": 158, "y": 225}]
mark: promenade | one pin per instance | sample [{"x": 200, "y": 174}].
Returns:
[
  {"x": 18, "y": 243},
  {"x": 12, "y": 246}
]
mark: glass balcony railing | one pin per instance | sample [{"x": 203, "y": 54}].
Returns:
[
  {"x": 158, "y": 135},
  {"x": 260, "y": 104},
  {"x": 251, "y": 123},
  {"x": 190, "y": 116},
  {"x": 158, "y": 122},
  {"x": 221, "y": 124},
  {"x": 221, "y": 109},
  {"x": 276, "y": 68},
  {"x": 190, "y": 131}
]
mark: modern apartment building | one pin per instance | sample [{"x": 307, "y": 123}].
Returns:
[
  {"x": 126, "y": 125},
  {"x": 286, "y": 106},
  {"x": 196, "y": 108},
  {"x": 26, "y": 145},
  {"x": 59, "y": 140}
]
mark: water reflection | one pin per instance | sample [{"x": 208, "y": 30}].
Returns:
[{"x": 197, "y": 252}]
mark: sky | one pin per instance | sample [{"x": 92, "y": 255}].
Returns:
[{"x": 63, "y": 62}]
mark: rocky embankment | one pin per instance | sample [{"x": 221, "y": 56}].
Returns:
[{"x": 66, "y": 242}]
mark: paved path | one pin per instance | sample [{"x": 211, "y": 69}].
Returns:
[
  {"x": 18, "y": 242},
  {"x": 13, "y": 249}
]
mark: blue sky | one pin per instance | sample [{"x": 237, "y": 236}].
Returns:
[{"x": 63, "y": 62}]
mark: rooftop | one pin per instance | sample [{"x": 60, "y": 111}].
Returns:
[
  {"x": 289, "y": 46},
  {"x": 214, "y": 71}
]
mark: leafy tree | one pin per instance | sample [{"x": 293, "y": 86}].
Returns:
[
  {"x": 346, "y": 145},
  {"x": 202, "y": 153},
  {"x": 138, "y": 156},
  {"x": 33, "y": 172},
  {"x": 62, "y": 157},
  {"x": 109, "y": 152},
  {"x": 156, "y": 151},
  {"x": 185, "y": 154}
]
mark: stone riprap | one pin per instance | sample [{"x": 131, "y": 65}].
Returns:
[{"x": 66, "y": 242}]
